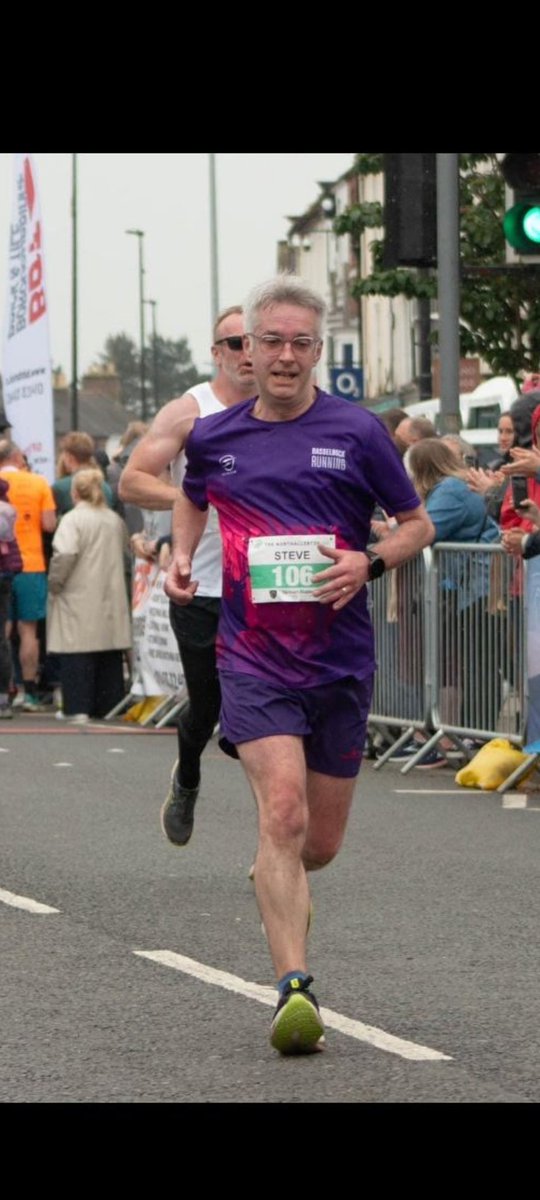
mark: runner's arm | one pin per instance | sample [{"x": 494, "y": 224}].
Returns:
[
  {"x": 188, "y": 525},
  {"x": 140, "y": 481}
]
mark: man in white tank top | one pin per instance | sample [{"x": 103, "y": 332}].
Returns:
[{"x": 195, "y": 624}]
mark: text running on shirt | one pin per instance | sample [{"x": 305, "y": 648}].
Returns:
[{"x": 323, "y": 456}]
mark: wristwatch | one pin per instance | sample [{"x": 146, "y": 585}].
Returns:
[{"x": 377, "y": 565}]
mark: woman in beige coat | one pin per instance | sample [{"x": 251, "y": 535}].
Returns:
[{"x": 88, "y": 617}]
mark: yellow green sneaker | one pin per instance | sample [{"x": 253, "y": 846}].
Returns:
[{"x": 297, "y": 1027}]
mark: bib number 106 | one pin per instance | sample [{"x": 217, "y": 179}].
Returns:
[{"x": 292, "y": 576}]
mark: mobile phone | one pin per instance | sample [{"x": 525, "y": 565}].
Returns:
[{"x": 519, "y": 490}]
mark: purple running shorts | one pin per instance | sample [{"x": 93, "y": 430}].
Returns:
[{"x": 332, "y": 718}]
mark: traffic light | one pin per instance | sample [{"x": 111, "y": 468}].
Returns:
[
  {"x": 521, "y": 221},
  {"x": 410, "y": 210}
]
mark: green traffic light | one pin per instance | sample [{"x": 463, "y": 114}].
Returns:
[
  {"x": 531, "y": 225},
  {"x": 521, "y": 225}
]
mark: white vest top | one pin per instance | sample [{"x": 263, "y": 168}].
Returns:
[{"x": 207, "y": 558}]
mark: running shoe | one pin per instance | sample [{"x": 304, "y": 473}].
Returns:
[
  {"x": 177, "y": 811},
  {"x": 29, "y": 703},
  {"x": 6, "y": 713},
  {"x": 405, "y": 751},
  {"x": 433, "y": 759},
  {"x": 297, "y": 1026}
]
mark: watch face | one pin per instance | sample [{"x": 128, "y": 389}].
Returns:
[{"x": 376, "y": 567}]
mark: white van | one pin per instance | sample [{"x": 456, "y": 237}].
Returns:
[
  {"x": 480, "y": 411},
  {"x": 486, "y": 403}
]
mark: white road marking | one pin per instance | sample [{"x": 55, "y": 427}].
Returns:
[
  {"x": 509, "y": 799},
  {"x": 115, "y": 750},
  {"x": 25, "y": 902},
  {"x": 3, "y": 750},
  {"x": 514, "y": 800},
  {"x": 62, "y": 764},
  {"x": 438, "y": 792},
  {"x": 267, "y": 995}
]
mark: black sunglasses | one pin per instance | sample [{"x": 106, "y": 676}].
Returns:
[{"x": 234, "y": 343}]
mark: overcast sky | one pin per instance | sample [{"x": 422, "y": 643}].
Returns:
[{"x": 167, "y": 196}]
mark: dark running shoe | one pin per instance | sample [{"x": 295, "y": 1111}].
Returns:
[
  {"x": 297, "y": 1027},
  {"x": 177, "y": 811},
  {"x": 431, "y": 760}
]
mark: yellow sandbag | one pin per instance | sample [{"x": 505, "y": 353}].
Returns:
[
  {"x": 493, "y": 763},
  {"x": 141, "y": 711}
]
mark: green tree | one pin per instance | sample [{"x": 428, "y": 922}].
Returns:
[
  {"x": 121, "y": 351},
  {"x": 170, "y": 368},
  {"x": 500, "y": 313}
]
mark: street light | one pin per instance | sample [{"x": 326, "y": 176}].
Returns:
[
  {"x": 74, "y": 368},
  {"x": 213, "y": 238},
  {"x": 139, "y": 233},
  {"x": 153, "y": 304}
]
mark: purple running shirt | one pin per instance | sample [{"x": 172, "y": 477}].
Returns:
[{"x": 321, "y": 473}]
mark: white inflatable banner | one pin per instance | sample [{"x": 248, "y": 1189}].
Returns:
[{"x": 26, "y": 356}]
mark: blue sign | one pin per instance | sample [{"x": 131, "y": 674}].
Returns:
[{"x": 347, "y": 382}]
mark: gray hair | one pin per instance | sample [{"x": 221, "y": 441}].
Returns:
[{"x": 283, "y": 289}]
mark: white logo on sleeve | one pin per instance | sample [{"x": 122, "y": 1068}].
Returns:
[{"x": 228, "y": 462}]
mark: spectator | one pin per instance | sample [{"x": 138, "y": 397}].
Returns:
[
  {"x": 411, "y": 430},
  {"x": 511, "y": 519},
  {"x": 10, "y": 565},
  {"x": 464, "y": 452},
  {"x": 89, "y": 621},
  {"x": 130, "y": 438},
  {"x": 32, "y": 497},
  {"x": 529, "y": 543},
  {"x": 77, "y": 450},
  {"x": 490, "y": 482},
  {"x": 392, "y": 418},
  {"x": 458, "y": 515}
]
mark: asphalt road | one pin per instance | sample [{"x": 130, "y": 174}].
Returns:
[{"x": 136, "y": 973}]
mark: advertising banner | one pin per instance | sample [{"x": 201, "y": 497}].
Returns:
[
  {"x": 157, "y": 670},
  {"x": 26, "y": 357}
]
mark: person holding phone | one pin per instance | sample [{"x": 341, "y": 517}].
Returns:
[
  {"x": 529, "y": 542},
  {"x": 522, "y": 487}
]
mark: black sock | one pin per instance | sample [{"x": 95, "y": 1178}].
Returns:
[{"x": 189, "y": 770}]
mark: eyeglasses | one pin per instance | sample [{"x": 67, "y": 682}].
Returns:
[
  {"x": 272, "y": 345},
  {"x": 234, "y": 343}
]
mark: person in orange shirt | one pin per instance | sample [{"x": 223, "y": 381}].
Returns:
[{"x": 33, "y": 499}]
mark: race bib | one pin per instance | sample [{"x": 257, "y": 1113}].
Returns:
[{"x": 286, "y": 567}]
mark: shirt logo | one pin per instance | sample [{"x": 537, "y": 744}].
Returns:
[
  {"x": 228, "y": 463},
  {"x": 329, "y": 457}
]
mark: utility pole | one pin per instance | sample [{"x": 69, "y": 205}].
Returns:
[
  {"x": 448, "y": 288},
  {"x": 153, "y": 304},
  {"x": 214, "y": 285},
  {"x": 139, "y": 233},
  {"x": 74, "y": 370}
]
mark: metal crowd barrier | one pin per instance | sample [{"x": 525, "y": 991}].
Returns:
[{"x": 450, "y": 642}]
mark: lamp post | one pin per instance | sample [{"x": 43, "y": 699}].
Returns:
[
  {"x": 139, "y": 233},
  {"x": 74, "y": 371},
  {"x": 153, "y": 304},
  {"x": 213, "y": 238}
]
